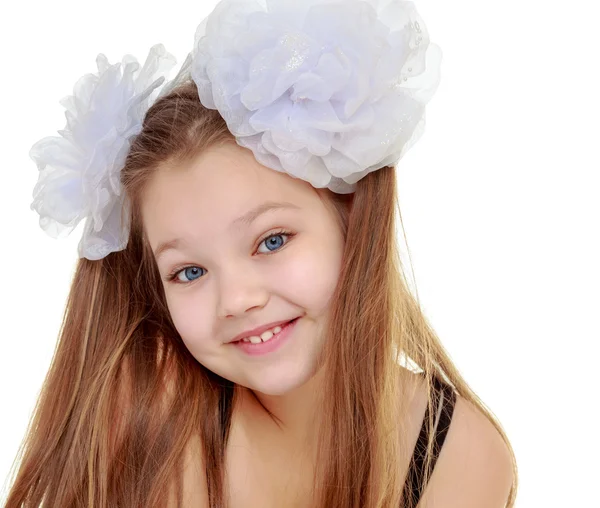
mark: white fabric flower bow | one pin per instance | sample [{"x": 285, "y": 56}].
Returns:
[
  {"x": 324, "y": 90},
  {"x": 79, "y": 172}
]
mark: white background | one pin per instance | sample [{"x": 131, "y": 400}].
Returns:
[{"x": 499, "y": 200}]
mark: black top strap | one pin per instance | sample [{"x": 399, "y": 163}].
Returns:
[{"x": 446, "y": 398}]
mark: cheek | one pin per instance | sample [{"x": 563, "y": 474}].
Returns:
[
  {"x": 311, "y": 277},
  {"x": 190, "y": 320}
]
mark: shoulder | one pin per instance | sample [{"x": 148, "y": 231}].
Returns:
[
  {"x": 474, "y": 468},
  {"x": 194, "y": 486}
]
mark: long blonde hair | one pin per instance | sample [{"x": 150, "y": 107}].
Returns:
[{"x": 107, "y": 430}]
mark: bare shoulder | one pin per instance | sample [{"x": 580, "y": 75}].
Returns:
[
  {"x": 474, "y": 468},
  {"x": 195, "y": 490}
]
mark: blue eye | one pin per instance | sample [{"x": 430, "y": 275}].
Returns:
[
  {"x": 275, "y": 244},
  {"x": 193, "y": 272},
  {"x": 190, "y": 271}
]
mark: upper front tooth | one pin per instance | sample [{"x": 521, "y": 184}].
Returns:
[
  {"x": 255, "y": 339},
  {"x": 266, "y": 335}
]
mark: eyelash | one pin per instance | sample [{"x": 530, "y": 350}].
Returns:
[{"x": 172, "y": 277}]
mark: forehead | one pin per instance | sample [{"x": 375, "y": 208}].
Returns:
[{"x": 212, "y": 191}]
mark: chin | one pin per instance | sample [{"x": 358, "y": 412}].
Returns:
[{"x": 280, "y": 383}]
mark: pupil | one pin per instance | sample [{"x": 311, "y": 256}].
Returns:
[{"x": 273, "y": 240}]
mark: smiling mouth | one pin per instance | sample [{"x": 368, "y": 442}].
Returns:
[{"x": 282, "y": 327}]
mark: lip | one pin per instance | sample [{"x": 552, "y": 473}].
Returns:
[
  {"x": 259, "y": 330},
  {"x": 271, "y": 345}
]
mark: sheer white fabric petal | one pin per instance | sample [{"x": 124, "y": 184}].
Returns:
[
  {"x": 325, "y": 90},
  {"x": 79, "y": 171}
]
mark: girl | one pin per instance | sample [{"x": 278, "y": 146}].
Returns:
[{"x": 239, "y": 326}]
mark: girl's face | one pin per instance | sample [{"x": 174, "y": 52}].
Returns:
[{"x": 231, "y": 276}]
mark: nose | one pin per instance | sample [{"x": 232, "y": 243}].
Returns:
[{"x": 240, "y": 290}]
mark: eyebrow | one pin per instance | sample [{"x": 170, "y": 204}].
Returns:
[{"x": 244, "y": 220}]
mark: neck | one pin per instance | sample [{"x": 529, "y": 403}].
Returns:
[{"x": 292, "y": 418}]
